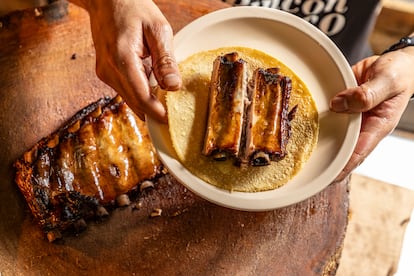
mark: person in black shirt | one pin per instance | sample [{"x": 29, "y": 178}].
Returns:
[{"x": 347, "y": 22}]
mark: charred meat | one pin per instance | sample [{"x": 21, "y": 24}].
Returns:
[
  {"x": 248, "y": 121},
  {"x": 267, "y": 128},
  {"x": 226, "y": 107},
  {"x": 103, "y": 153}
]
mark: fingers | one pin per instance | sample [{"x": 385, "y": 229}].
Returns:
[
  {"x": 364, "y": 97},
  {"x": 139, "y": 41},
  {"x": 385, "y": 85},
  {"x": 166, "y": 72},
  {"x": 158, "y": 43},
  {"x": 137, "y": 91},
  {"x": 377, "y": 123},
  {"x": 379, "y": 79},
  {"x": 159, "y": 38},
  {"x": 132, "y": 85}
]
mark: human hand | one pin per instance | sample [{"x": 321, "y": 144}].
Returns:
[
  {"x": 385, "y": 85},
  {"x": 132, "y": 38}
]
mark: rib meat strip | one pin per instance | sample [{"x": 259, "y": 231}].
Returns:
[
  {"x": 267, "y": 128},
  {"x": 226, "y": 107}
]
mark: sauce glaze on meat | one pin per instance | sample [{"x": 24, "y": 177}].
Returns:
[
  {"x": 248, "y": 122},
  {"x": 100, "y": 155},
  {"x": 227, "y": 99}
]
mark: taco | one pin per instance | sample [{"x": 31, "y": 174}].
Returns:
[{"x": 188, "y": 111}]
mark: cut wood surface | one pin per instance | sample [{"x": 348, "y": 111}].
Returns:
[
  {"x": 379, "y": 215},
  {"x": 47, "y": 73}
]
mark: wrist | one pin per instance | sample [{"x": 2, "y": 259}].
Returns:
[
  {"x": 402, "y": 44},
  {"x": 409, "y": 52}
]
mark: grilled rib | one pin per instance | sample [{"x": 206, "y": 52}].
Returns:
[
  {"x": 103, "y": 152},
  {"x": 226, "y": 107},
  {"x": 267, "y": 128}
]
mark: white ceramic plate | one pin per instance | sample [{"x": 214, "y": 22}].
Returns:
[{"x": 314, "y": 58}]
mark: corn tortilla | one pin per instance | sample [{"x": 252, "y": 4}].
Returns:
[{"x": 187, "y": 118}]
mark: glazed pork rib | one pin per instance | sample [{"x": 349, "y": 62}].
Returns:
[
  {"x": 267, "y": 127},
  {"x": 103, "y": 153},
  {"x": 247, "y": 121},
  {"x": 226, "y": 107}
]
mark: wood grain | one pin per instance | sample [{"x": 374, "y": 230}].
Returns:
[{"x": 47, "y": 73}]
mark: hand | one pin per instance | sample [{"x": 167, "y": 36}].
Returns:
[
  {"x": 132, "y": 38},
  {"x": 385, "y": 85}
]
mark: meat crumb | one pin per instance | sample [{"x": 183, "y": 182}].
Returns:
[
  {"x": 38, "y": 12},
  {"x": 156, "y": 213}
]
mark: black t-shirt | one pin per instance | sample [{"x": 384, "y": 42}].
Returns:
[{"x": 347, "y": 22}]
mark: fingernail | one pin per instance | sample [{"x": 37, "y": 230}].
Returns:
[
  {"x": 171, "y": 81},
  {"x": 339, "y": 104}
]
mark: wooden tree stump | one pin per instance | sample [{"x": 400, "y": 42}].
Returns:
[{"x": 47, "y": 73}]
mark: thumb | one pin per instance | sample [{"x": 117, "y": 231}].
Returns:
[
  {"x": 362, "y": 98},
  {"x": 160, "y": 43}
]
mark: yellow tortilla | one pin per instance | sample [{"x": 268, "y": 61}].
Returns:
[{"x": 187, "y": 118}]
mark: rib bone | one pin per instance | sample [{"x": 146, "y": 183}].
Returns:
[
  {"x": 267, "y": 119},
  {"x": 226, "y": 107}
]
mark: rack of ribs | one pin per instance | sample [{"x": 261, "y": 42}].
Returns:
[
  {"x": 99, "y": 157},
  {"x": 226, "y": 107}
]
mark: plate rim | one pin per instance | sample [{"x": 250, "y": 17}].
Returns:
[{"x": 241, "y": 200}]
